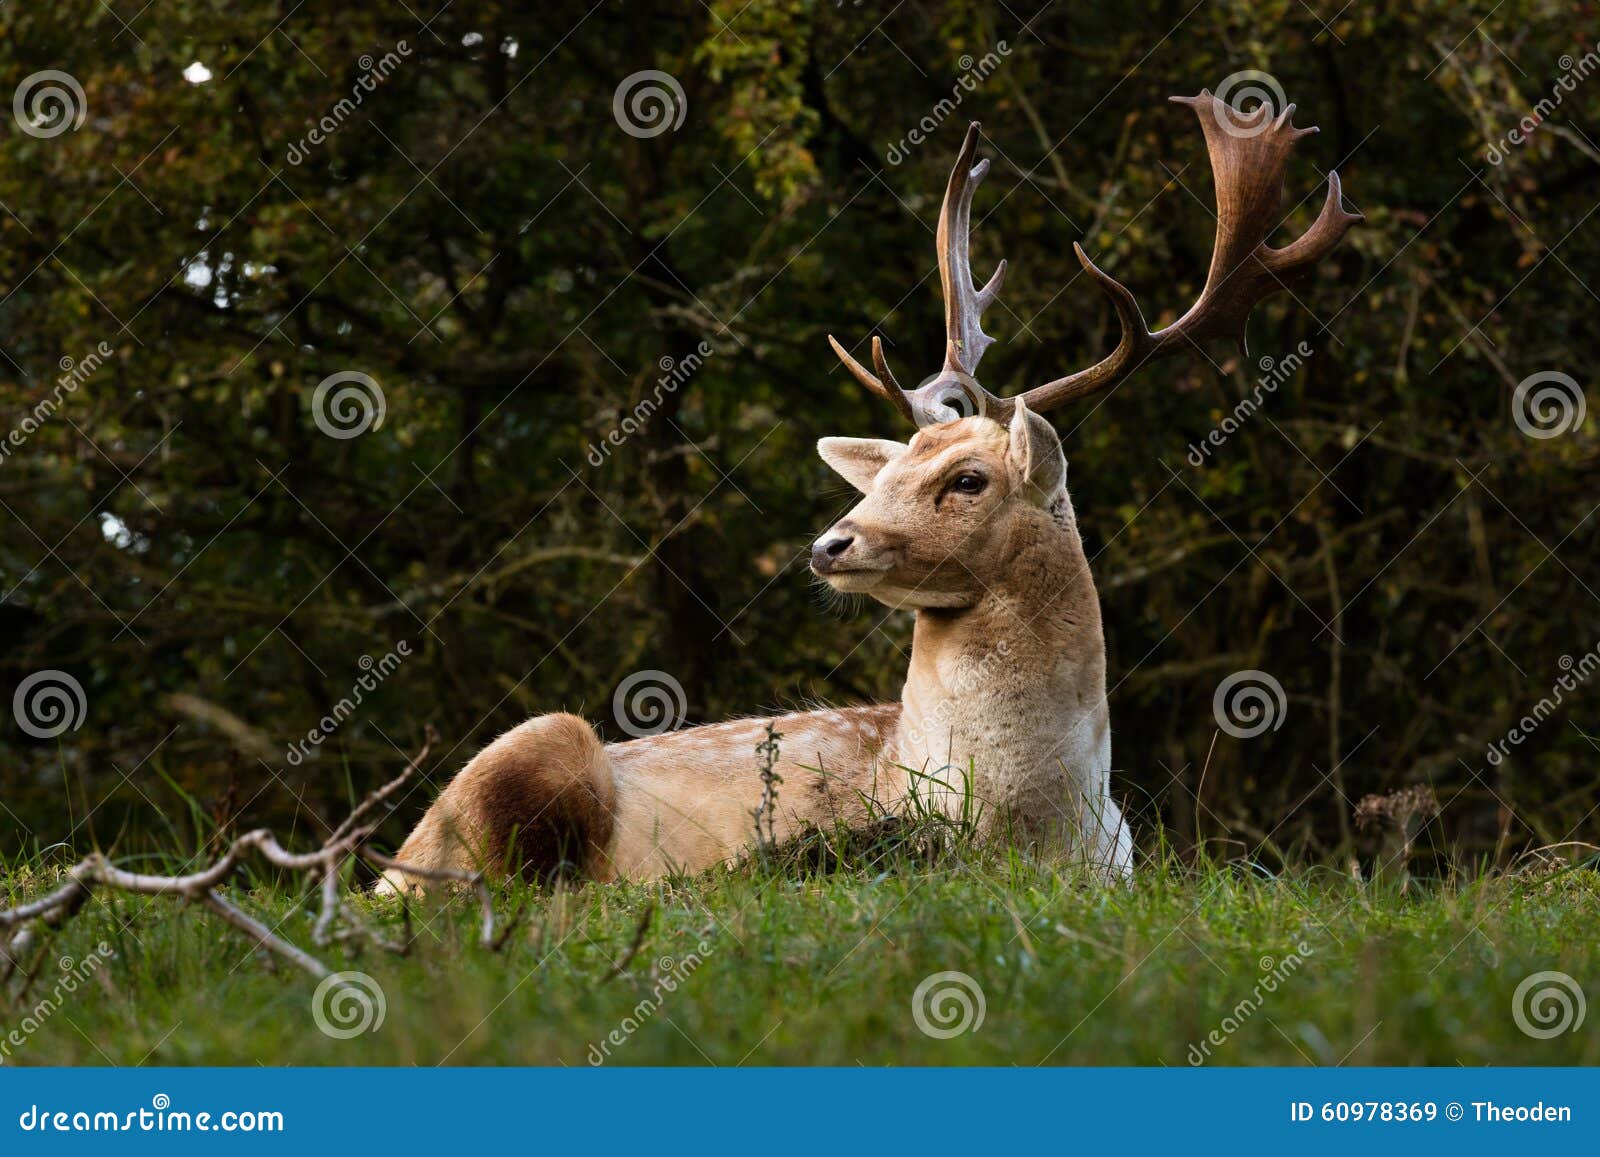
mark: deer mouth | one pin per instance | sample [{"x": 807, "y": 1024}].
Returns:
[
  {"x": 852, "y": 576},
  {"x": 856, "y": 577},
  {"x": 846, "y": 577}
]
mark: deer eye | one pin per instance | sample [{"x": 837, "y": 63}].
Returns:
[{"x": 969, "y": 484}]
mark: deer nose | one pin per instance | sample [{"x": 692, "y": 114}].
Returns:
[{"x": 825, "y": 550}]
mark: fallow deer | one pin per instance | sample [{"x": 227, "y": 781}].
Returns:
[{"x": 970, "y": 527}]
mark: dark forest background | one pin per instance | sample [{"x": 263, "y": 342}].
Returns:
[{"x": 483, "y": 239}]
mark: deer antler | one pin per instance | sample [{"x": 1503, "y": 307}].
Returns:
[
  {"x": 1249, "y": 153},
  {"x": 964, "y": 303}
]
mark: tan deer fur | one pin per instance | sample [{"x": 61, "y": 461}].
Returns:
[{"x": 1006, "y": 684}]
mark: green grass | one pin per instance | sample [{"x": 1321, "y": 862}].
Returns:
[{"x": 813, "y": 963}]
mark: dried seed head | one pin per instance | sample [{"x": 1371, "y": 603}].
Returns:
[{"x": 1397, "y": 808}]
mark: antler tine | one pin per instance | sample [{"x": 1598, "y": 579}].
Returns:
[
  {"x": 1249, "y": 153},
  {"x": 1319, "y": 240},
  {"x": 964, "y": 302},
  {"x": 883, "y": 383}
]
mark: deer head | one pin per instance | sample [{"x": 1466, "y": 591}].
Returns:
[
  {"x": 945, "y": 509},
  {"x": 943, "y": 513}
]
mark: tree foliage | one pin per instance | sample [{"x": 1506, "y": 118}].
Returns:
[{"x": 479, "y": 235}]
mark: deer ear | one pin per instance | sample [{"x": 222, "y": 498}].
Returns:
[
  {"x": 1035, "y": 454},
  {"x": 858, "y": 460}
]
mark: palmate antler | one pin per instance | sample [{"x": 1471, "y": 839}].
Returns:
[{"x": 1249, "y": 153}]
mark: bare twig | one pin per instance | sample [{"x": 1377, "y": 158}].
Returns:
[
  {"x": 429, "y": 738},
  {"x": 19, "y": 925},
  {"x": 263, "y": 935}
]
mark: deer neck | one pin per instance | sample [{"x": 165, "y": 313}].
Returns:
[{"x": 1014, "y": 687}]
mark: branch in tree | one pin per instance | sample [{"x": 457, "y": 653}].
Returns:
[{"x": 247, "y": 740}]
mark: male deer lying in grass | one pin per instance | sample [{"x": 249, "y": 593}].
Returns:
[{"x": 969, "y": 526}]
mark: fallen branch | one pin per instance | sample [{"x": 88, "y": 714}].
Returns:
[{"x": 20, "y": 926}]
